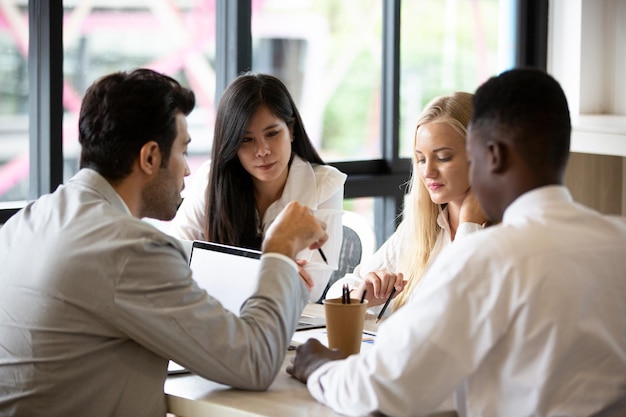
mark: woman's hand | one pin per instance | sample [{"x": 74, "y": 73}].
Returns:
[
  {"x": 379, "y": 285},
  {"x": 470, "y": 210},
  {"x": 308, "y": 281}
]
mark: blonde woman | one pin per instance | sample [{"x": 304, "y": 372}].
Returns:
[{"x": 441, "y": 207}]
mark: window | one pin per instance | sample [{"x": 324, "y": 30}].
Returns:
[
  {"x": 446, "y": 46},
  {"x": 14, "y": 146},
  {"x": 359, "y": 70},
  {"x": 328, "y": 53},
  {"x": 176, "y": 38}
]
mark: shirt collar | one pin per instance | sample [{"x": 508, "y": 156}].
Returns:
[
  {"x": 90, "y": 178},
  {"x": 442, "y": 218},
  {"x": 536, "y": 200}
]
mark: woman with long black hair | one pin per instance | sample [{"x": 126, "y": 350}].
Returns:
[{"x": 262, "y": 159}]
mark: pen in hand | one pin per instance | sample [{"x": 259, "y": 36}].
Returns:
[
  {"x": 380, "y": 315},
  {"x": 322, "y": 255}
]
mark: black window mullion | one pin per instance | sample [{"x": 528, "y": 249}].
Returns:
[
  {"x": 388, "y": 207},
  {"x": 233, "y": 49},
  {"x": 391, "y": 83},
  {"x": 532, "y": 34},
  {"x": 45, "y": 72}
]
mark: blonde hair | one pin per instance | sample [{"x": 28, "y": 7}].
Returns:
[{"x": 420, "y": 213}]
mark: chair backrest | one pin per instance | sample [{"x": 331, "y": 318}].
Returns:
[
  {"x": 351, "y": 252},
  {"x": 363, "y": 229},
  {"x": 359, "y": 240}
]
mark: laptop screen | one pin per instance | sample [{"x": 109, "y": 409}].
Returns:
[
  {"x": 230, "y": 274},
  {"x": 227, "y": 273}
]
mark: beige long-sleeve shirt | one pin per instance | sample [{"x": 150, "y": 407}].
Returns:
[{"x": 94, "y": 302}]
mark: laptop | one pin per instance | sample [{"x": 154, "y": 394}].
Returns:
[
  {"x": 230, "y": 275},
  {"x": 227, "y": 273}
]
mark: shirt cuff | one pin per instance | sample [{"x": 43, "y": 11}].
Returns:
[
  {"x": 283, "y": 257},
  {"x": 314, "y": 384}
]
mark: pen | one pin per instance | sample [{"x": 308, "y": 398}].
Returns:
[
  {"x": 380, "y": 315},
  {"x": 363, "y": 296},
  {"x": 322, "y": 255}
]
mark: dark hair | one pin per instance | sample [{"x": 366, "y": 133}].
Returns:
[
  {"x": 530, "y": 107},
  {"x": 123, "y": 111},
  {"x": 231, "y": 208}
]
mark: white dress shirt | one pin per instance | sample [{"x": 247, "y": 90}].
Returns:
[
  {"x": 94, "y": 302},
  {"x": 320, "y": 187},
  {"x": 527, "y": 318},
  {"x": 386, "y": 257}
]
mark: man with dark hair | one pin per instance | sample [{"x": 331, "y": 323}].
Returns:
[
  {"x": 122, "y": 112},
  {"x": 525, "y": 318},
  {"x": 95, "y": 301}
]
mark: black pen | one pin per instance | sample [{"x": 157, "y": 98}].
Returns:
[
  {"x": 380, "y": 315},
  {"x": 322, "y": 255}
]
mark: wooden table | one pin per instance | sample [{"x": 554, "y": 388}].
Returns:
[{"x": 189, "y": 395}]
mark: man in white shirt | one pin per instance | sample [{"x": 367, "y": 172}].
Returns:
[
  {"x": 95, "y": 301},
  {"x": 526, "y": 318}
]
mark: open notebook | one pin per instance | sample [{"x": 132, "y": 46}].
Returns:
[{"x": 230, "y": 274}]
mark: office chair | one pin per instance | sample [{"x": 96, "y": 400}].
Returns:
[{"x": 359, "y": 240}]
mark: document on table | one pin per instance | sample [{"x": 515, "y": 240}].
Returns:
[{"x": 321, "y": 335}]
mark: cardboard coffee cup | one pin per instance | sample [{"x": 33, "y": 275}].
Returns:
[{"x": 344, "y": 324}]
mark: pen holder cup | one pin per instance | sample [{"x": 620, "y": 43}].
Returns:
[{"x": 344, "y": 324}]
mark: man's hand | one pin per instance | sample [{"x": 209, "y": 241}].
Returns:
[
  {"x": 379, "y": 285},
  {"x": 294, "y": 229},
  {"x": 310, "y": 356}
]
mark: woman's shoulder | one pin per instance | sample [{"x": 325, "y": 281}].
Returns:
[
  {"x": 329, "y": 182},
  {"x": 327, "y": 173}
]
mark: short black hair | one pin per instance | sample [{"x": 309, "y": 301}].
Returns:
[
  {"x": 123, "y": 111},
  {"x": 530, "y": 107}
]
